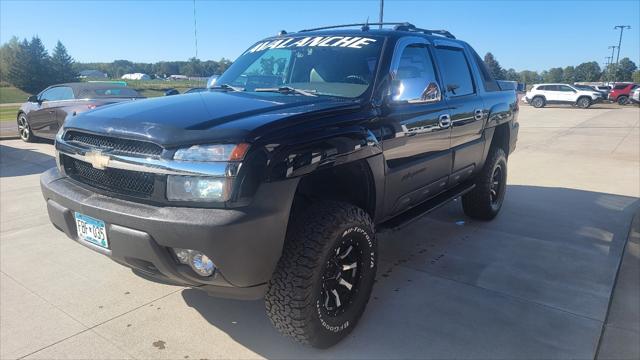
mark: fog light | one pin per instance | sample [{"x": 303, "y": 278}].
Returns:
[{"x": 199, "y": 262}]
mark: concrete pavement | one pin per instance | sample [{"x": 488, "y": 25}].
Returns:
[{"x": 534, "y": 283}]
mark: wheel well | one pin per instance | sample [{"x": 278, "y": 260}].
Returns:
[
  {"x": 501, "y": 138},
  {"x": 584, "y": 97},
  {"x": 19, "y": 113},
  {"x": 539, "y": 96},
  {"x": 352, "y": 183}
]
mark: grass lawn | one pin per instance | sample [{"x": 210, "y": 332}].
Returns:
[
  {"x": 9, "y": 95},
  {"x": 8, "y": 113}
]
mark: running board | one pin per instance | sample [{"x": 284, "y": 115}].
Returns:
[{"x": 417, "y": 212}]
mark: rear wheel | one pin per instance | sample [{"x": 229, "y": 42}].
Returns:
[
  {"x": 622, "y": 100},
  {"x": 584, "y": 102},
  {"x": 485, "y": 200},
  {"x": 537, "y": 102},
  {"x": 24, "y": 130},
  {"x": 325, "y": 276}
]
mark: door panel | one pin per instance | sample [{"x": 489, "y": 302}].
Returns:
[
  {"x": 417, "y": 145},
  {"x": 467, "y": 109}
]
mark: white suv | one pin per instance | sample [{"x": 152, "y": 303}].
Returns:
[{"x": 542, "y": 94}]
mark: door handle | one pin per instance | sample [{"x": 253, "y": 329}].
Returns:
[
  {"x": 444, "y": 121},
  {"x": 478, "y": 114}
]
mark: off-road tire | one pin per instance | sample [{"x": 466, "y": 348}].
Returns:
[
  {"x": 584, "y": 102},
  {"x": 538, "y": 102},
  {"x": 479, "y": 202},
  {"x": 293, "y": 298},
  {"x": 622, "y": 100}
]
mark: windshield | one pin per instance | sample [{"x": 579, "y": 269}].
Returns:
[{"x": 323, "y": 65}]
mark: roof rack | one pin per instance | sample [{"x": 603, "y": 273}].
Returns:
[
  {"x": 411, "y": 27},
  {"x": 365, "y": 26},
  {"x": 398, "y": 26}
]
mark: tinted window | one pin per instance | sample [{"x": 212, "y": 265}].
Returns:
[
  {"x": 416, "y": 75},
  {"x": 57, "y": 93},
  {"x": 619, "y": 87},
  {"x": 455, "y": 71},
  {"x": 490, "y": 83},
  {"x": 565, "y": 88},
  {"x": 542, "y": 88},
  {"x": 552, "y": 88}
]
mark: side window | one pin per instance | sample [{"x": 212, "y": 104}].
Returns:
[
  {"x": 541, "y": 88},
  {"x": 57, "y": 93},
  {"x": 565, "y": 88},
  {"x": 489, "y": 82},
  {"x": 455, "y": 71},
  {"x": 47, "y": 95},
  {"x": 552, "y": 88},
  {"x": 416, "y": 76}
]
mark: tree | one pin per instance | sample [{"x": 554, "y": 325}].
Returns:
[
  {"x": 554, "y": 75},
  {"x": 530, "y": 77},
  {"x": 62, "y": 65},
  {"x": 30, "y": 67},
  {"x": 512, "y": 75},
  {"x": 494, "y": 67},
  {"x": 624, "y": 70},
  {"x": 588, "y": 71},
  {"x": 636, "y": 76},
  {"x": 8, "y": 52},
  {"x": 569, "y": 75}
]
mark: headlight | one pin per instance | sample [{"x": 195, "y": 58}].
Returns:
[
  {"x": 222, "y": 152},
  {"x": 198, "y": 188},
  {"x": 60, "y": 133}
]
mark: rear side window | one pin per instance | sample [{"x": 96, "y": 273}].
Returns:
[
  {"x": 490, "y": 84},
  {"x": 541, "y": 88},
  {"x": 619, "y": 87},
  {"x": 455, "y": 72}
]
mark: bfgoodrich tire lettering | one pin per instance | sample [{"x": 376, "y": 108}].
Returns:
[{"x": 324, "y": 278}]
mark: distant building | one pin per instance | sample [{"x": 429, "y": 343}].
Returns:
[
  {"x": 136, "y": 76},
  {"x": 92, "y": 74}
]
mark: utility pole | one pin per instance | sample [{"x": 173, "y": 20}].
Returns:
[
  {"x": 621, "y": 27},
  {"x": 613, "y": 49},
  {"x": 381, "y": 13}
]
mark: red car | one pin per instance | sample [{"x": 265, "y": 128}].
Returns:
[{"x": 621, "y": 92}]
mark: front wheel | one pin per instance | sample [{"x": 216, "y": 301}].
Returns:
[
  {"x": 622, "y": 100},
  {"x": 24, "y": 130},
  {"x": 537, "y": 102},
  {"x": 584, "y": 102},
  {"x": 485, "y": 200},
  {"x": 324, "y": 278}
]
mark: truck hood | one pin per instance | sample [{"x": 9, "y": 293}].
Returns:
[{"x": 204, "y": 117}]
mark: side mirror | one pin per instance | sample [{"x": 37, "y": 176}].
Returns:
[{"x": 33, "y": 99}]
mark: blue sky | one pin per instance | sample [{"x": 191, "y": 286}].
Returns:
[{"x": 531, "y": 35}]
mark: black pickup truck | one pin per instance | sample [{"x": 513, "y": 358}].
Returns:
[{"x": 274, "y": 182}]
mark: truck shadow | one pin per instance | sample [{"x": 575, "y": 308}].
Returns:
[
  {"x": 16, "y": 161},
  {"x": 535, "y": 282}
]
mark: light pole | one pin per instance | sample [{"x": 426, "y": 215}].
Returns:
[
  {"x": 381, "y": 13},
  {"x": 621, "y": 27}
]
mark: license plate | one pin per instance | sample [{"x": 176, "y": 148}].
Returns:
[{"x": 91, "y": 230}]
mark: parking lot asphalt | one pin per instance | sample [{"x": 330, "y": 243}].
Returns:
[{"x": 534, "y": 283}]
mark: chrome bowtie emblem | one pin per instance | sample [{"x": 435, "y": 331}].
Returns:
[{"x": 97, "y": 160}]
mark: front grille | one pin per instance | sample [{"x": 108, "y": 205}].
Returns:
[
  {"x": 114, "y": 180},
  {"x": 124, "y": 146}
]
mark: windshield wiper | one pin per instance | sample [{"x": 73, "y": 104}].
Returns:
[
  {"x": 286, "y": 90},
  {"x": 226, "y": 87}
]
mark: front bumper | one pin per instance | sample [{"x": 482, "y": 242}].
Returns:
[{"x": 245, "y": 244}]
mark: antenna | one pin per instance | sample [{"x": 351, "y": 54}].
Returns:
[{"x": 365, "y": 27}]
